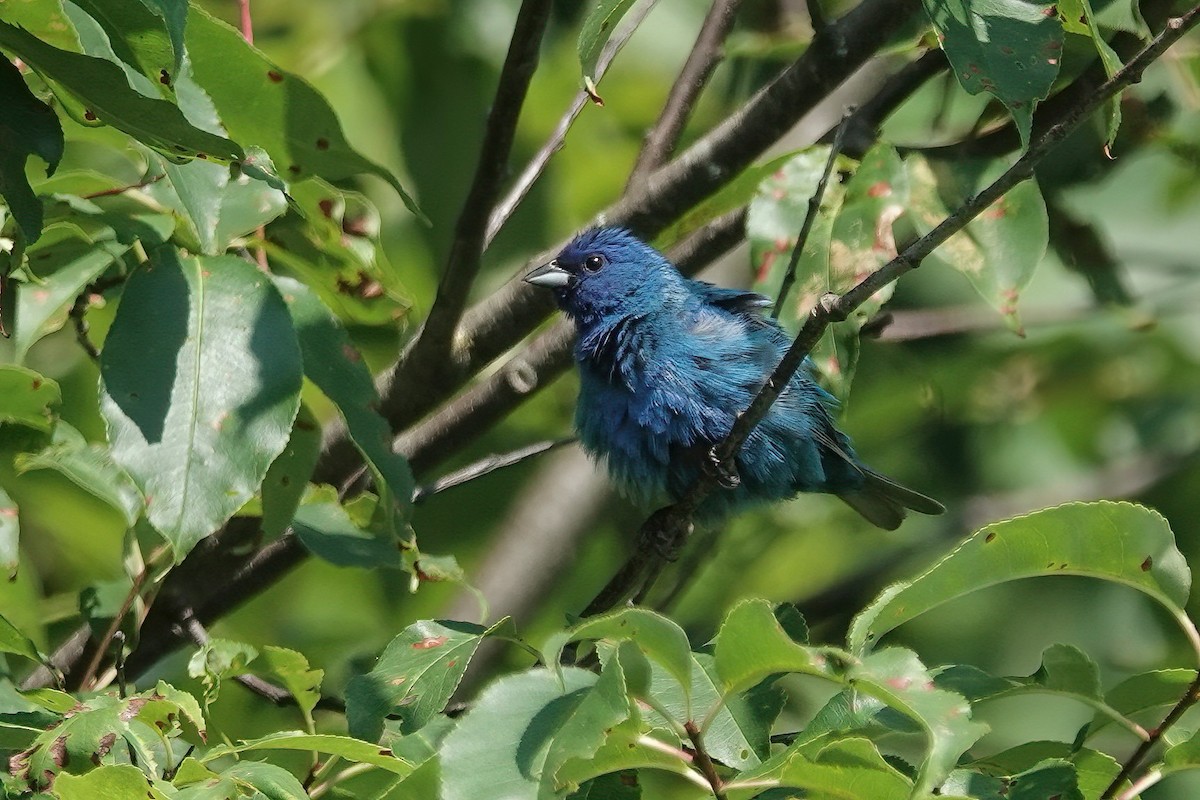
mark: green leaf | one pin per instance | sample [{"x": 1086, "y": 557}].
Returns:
[
  {"x": 263, "y": 105},
  {"x": 264, "y": 780},
  {"x": 216, "y": 660},
  {"x": 116, "y": 782},
  {"x": 331, "y": 246},
  {"x": 1001, "y": 248},
  {"x": 1119, "y": 542},
  {"x": 10, "y": 536},
  {"x": 751, "y": 645},
  {"x": 597, "y": 29},
  {"x": 586, "y": 729},
  {"x": 1077, "y": 17},
  {"x": 184, "y": 327},
  {"x": 353, "y": 750},
  {"x": 85, "y": 737},
  {"x": 1093, "y": 770},
  {"x": 329, "y": 532},
  {"x": 27, "y": 127},
  {"x": 1051, "y": 778},
  {"x": 336, "y": 367},
  {"x": 414, "y": 677},
  {"x": 88, "y": 466},
  {"x": 1009, "y": 48},
  {"x": 501, "y": 745},
  {"x": 100, "y": 88},
  {"x": 13, "y": 641},
  {"x": 139, "y": 37},
  {"x": 850, "y": 769},
  {"x": 292, "y": 669},
  {"x": 27, "y": 398},
  {"x": 64, "y": 264},
  {"x": 174, "y": 15},
  {"x": 287, "y": 479},
  {"x": 45, "y": 19},
  {"x": 661, "y": 639},
  {"x": 1144, "y": 691}
]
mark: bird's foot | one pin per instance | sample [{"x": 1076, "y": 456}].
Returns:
[{"x": 723, "y": 472}]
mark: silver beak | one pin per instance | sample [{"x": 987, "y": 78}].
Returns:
[{"x": 551, "y": 276}]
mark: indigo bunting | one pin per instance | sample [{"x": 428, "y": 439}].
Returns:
[{"x": 666, "y": 364}]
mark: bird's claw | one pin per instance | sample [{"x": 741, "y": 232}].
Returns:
[{"x": 723, "y": 472}]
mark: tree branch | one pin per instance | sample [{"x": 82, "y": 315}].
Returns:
[
  {"x": 704, "y": 761},
  {"x": 428, "y": 350},
  {"x": 664, "y": 532},
  {"x": 693, "y": 77},
  {"x": 1134, "y": 761},
  {"x": 537, "y": 165}
]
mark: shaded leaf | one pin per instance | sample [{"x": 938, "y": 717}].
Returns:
[
  {"x": 13, "y": 641},
  {"x": 27, "y": 127},
  {"x": 1009, "y": 48},
  {"x": 218, "y": 659},
  {"x": 1051, "y": 778},
  {"x": 88, "y": 466},
  {"x": 27, "y": 398},
  {"x": 183, "y": 327},
  {"x": 414, "y": 677},
  {"x": 287, "y": 479},
  {"x": 269, "y": 780},
  {"x": 101, "y": 94},
  {"x": 1120, "y": 542},
  {"x": 139, "y": 37},
  {"x": 329, "y": 532},
  {"x": 336, "y": 367}
]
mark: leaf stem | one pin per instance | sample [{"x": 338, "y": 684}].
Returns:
[{"x": 704, "y": 761}]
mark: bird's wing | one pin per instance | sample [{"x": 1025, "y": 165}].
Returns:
[{"x": 735, "y": 301}]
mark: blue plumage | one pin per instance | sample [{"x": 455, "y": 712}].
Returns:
[{"x": 666, "y": 363}]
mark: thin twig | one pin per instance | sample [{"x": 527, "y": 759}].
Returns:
[
  {"x": 78, "y": 315},
  {"x": 810, "y": 216},
  {"x": 1134, "y": 761},
  {"x": 1141, "y": 784},
  {"x": 703, "y": 761},
  {"x": 277, "y": 695},
  {"x": 693, "y": 77},
  {"x": 114, "y": 627},
  {"x": 537, "y": 165},
  {"x": 122, "y": 189},
  {"x": 663, "y": 534},
  {"x": 428, "y": 351},
  {"x": 486, "y": 466},
  {"x": 245, "y": 23}
]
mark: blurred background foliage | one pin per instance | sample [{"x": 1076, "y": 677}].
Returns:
[{"x": 1099, "y": 399}]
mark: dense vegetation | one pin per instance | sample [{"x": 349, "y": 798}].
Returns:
[{"x": 285, "y": 506}]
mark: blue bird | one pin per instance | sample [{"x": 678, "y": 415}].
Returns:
[{"x": 666, "y": 363}]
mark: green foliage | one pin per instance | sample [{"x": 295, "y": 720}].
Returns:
[{"x": 201, "y": 223}]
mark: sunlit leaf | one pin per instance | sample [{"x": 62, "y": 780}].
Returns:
[
  {"x": 850, "y": 769},
  {"x": 13, "y": 641},
  {"x": 184, "y": 329},
  {"x": 597, "y": 29},
  {"x": 1119, "y": 542},
  {"x": 302, "y": 682}
]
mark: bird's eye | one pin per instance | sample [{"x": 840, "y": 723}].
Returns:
[{"x": 593, "y": 263}]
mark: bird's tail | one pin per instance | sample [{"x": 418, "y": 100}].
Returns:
[{"x": 884, "y": 503}]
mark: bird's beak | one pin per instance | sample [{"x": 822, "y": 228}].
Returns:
[{"x": 551, "y": 276}]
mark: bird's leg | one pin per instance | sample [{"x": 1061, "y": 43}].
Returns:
[
  {"x": 665, "y": 533},
  {"x": 725, "y": 473}
]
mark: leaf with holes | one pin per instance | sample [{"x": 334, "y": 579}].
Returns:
[
  {"x": 414, "y": 677},
  {"x": 1008, "y": 48},
  {"x": 1000, "y": 249},
  {"x": 201, "y": 383}
]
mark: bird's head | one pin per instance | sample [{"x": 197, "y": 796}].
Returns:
[{"x": 607, "y": 273}]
